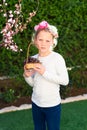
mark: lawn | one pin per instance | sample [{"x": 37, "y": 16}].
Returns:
[{"x": 74, "y": 117}]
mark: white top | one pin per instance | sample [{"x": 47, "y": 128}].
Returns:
[{"x": 46, "y": 87}]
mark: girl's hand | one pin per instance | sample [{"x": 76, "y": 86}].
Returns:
[
  {"x": 39, "y": 68},
  {"x": 28, "y": 72}
]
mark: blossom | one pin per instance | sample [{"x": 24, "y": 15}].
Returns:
[
  {"x": 10, "y": 12},
  {"x": 5, "y": 15},
  {"x": 14, "y": 24}
]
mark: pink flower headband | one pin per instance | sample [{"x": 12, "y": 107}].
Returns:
[{"x": 44, "y": 25}]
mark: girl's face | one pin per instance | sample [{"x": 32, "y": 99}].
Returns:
[{"x": 43, "y": 42}]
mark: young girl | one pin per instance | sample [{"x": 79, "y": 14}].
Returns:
[{"x": 46, "y": 79}]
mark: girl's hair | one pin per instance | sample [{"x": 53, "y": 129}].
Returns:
[{"x": 46, "y": 27}]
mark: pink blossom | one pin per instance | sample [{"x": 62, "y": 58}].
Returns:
[
  {"x": 17, "y": 12},
  {"x": 10, "y": 12},
  {"x": 4, "y": 30},
  {"x": 11, "y": 15},
  {"x": 8, "y": 34},
  {"x": 14, "y": 48},
  {"x": 10, "y": 20},
  {"x": 6, "y": 41},
  {"x": 13, "y": 25}
]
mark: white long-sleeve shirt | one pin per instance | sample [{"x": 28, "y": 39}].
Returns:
[{"x": 46, "y": 87}]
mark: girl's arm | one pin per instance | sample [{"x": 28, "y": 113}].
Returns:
[
  {"x": 61, "y": 77},
  {"x": 29, "y": 80},
  {"x": 28, "y": 76}
]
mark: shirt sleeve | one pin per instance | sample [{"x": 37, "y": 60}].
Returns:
[
  {"x": 29, "y": 80},
  {"x": 61, "y": 77}
]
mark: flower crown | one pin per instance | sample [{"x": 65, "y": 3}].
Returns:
[{"x": 43, "y": 25}]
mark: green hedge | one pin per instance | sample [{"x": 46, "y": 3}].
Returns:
[
  {"x": 78, "y": 77},
  {"x": 71, "y": 20}
]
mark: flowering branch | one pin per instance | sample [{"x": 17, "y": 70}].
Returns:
[{"x": 14, "y": 24}]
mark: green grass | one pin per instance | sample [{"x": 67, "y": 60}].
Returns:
[
  {"x": 74, "y": 117},
  {"x": 18, "y": 120}
]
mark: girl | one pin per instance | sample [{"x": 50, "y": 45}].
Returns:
[{"x": 46, "y": 79}]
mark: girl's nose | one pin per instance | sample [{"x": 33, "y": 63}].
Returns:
[{"x": 43, "y": 42}]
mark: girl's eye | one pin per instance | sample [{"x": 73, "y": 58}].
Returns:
[
  {"x": 47, "y": 41},
  {"x": 40, "y": 39}
]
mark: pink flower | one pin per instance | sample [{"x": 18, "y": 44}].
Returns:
[{"x": 41, "y": 25}]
